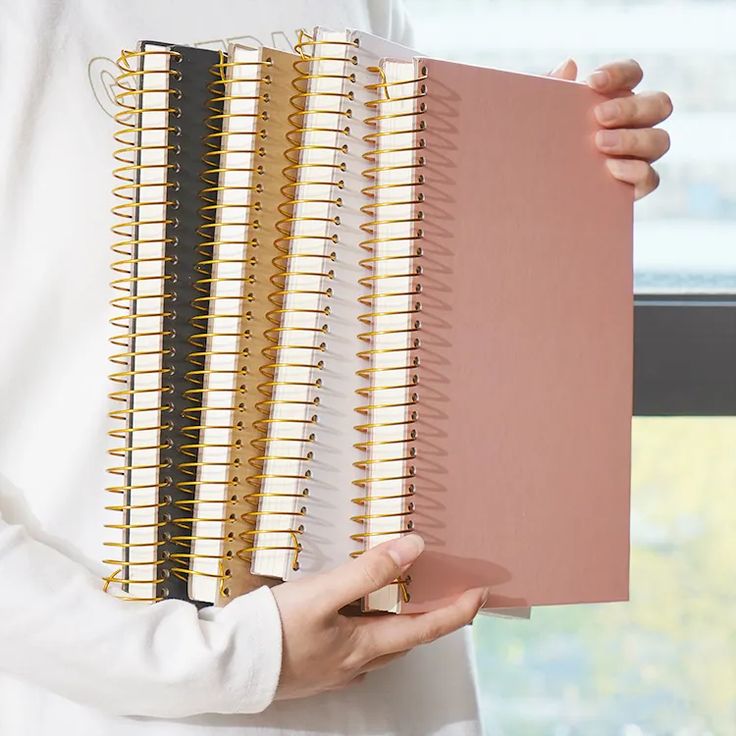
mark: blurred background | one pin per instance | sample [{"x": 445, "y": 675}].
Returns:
[{"x": 665, "y": 663}]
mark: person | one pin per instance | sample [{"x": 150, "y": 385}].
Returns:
[{"x": 76, "y": 660}]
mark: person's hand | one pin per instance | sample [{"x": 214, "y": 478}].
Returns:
[
  {"x": 326, "y": 650},
  {"x": 630, "y": 140}
]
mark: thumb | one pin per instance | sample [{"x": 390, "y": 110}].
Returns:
[
  {"x": 567, "y": 70},
  {"x": 371, "y": 571}
]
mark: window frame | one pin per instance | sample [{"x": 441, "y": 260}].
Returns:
[{"x": 684, "y": 354}]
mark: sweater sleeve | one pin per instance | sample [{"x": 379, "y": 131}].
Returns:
[{"x": 59, "y": 630}]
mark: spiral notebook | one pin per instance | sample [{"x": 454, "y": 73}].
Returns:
[
  {"x": 523, "y": 405},
  {"x": 365, "y": 293},
  {"x": 163, "y": 98},
  {"x": 244, "y": 182}
]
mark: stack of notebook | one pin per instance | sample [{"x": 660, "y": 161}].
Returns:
[{"x": 360, "y": 292}]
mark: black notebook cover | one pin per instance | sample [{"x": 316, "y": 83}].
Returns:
[{"x": 192, "y": 100}]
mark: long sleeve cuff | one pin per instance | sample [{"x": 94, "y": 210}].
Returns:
[
  {"x": 253, "y": 691},
  {"x": 61, "y": 631}
]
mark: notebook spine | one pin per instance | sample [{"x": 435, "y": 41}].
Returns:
[
  {"x": 391, "y": 323},
  {"x": 141, "y": 167},
  {"x": 299, "y": 332}
]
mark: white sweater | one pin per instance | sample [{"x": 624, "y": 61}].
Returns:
[{"x": 78, "y": 661}]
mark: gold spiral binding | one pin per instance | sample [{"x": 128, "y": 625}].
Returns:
[
  {"x": 214, "y": 251},
  {"x": 399, "y": 369},
  {"x": 132, "y": 252},
  {"x": 296, "y": 249}
]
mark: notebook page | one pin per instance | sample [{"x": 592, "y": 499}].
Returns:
[
  {"x": 310, "y": 230},
  {"x": 228, "y": 181},
  {"x": 391, "y": 320},
  {"x": 141, "y": 391}
]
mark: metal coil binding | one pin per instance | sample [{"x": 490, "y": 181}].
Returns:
[
  {"x": 294, "y": 249},
  {"x": 215, "y": 251},
  {"x": 131, "y": 252},
  {"x": 400, "y": 255}
]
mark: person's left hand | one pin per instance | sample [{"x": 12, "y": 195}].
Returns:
[{"x": 630, "y": 139}]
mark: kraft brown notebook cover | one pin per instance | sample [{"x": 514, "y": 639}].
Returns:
[
  {"x": 242, "y": 198},
  {"x": 524, "y": 396}
]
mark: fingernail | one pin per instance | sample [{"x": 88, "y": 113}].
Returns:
[
  {"x": 617, "y": 166},
  {"x": 607, "y": 139},
  {"x": 608, "y": 111},
  {"x": 405, "y": 550},
  {"x": 561, "y": 66},
  {"x": 598, "y": 79}
]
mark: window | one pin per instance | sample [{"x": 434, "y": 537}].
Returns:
[{"x": 663, "y": 663}]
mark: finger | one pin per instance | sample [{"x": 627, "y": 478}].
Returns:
[
  {"x": 618, "y": 75},
  {"x": 568, "y": 69},
  {"x": 634, "y": 171},
  {"x": 637, "y": 111},
  {"x": 371, "y": 571},
  {"x": 383, "y": 660},
  {"x": 648, "y": 144},
  {"x": 397, "y": 633}
]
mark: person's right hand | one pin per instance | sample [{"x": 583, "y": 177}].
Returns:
[{"x": 325, "y": 650}]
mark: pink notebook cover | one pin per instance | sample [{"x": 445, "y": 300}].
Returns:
[{"x": 523, "y": 451}]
